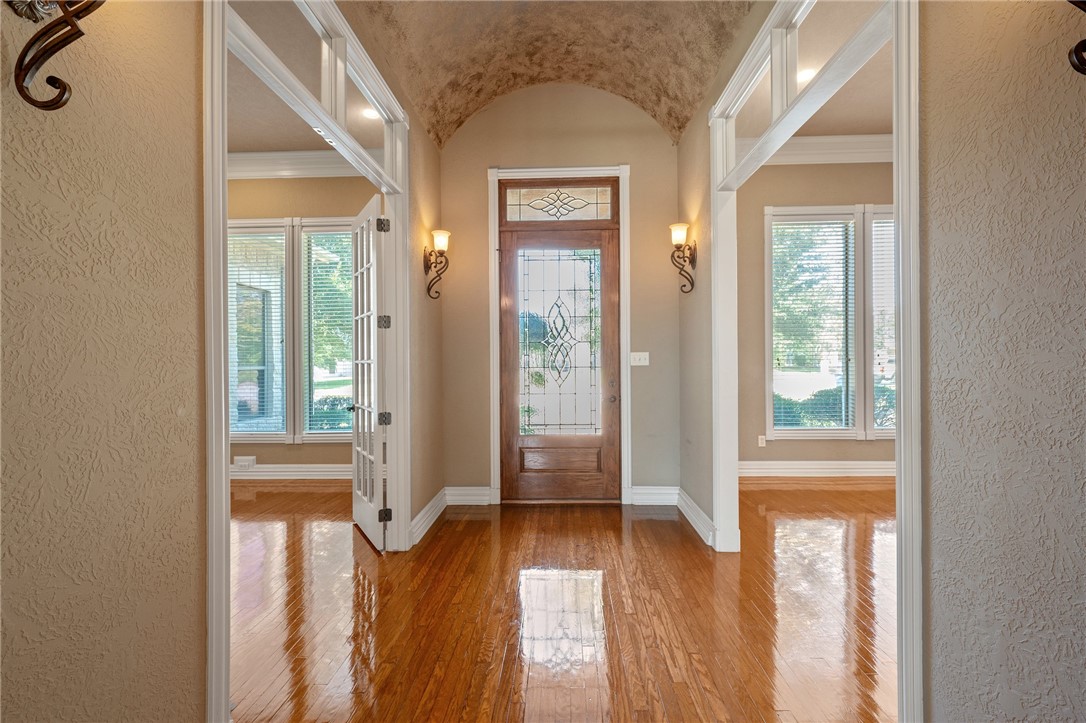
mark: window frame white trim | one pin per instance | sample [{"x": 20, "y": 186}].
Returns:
[
  {"x": 862, "y": 216},
  {"x": 293, "y": 228},
  {"x": 872, "y": 213}
]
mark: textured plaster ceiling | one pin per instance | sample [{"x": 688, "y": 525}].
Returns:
[{"x": 453, "y": 58}]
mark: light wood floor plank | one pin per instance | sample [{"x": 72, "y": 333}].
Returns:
[{"x": 577, "y": 613}]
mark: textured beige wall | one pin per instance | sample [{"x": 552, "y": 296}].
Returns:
[
  {"x": 103, "y": 446},
  {"x": 695, "y": 317},
  {"x": 313, "y": 197},
  {"x": 305, "y": 197},
  {"x": 834, "y": 184},
  {"x": 314, "y": 453},
  {"x": 560, "y": 125},
  {"x": 428, "y": 432},
  {"x": 1003, "y": 226}
]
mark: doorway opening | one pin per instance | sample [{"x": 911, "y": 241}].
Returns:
[{"x": 551, "y": 230}]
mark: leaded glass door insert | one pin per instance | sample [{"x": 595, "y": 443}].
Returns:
[
  {"x": 559, "y": 346},
  {"x": 560, "y": 384}
]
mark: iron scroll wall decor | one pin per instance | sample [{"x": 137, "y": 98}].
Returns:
[
  {"x": 1077, "y": 54},
  {"x": 47, "y": 42}
]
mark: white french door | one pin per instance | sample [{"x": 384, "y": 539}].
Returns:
[{"x": 369, "y": 457}]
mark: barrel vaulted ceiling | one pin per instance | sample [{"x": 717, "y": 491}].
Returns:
[{"x": 453, "y": 58}]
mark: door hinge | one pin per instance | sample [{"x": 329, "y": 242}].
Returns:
[
  {"x": 384, "y": 225},
  {"x": 384, "y": 515},
  {"x": 384, "y": 418},
  {"x": 384, "y": 322}
]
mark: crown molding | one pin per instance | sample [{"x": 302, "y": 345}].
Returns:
[
  {"x": 801, "y": 150},
  {"x": 290, "y": 164}
]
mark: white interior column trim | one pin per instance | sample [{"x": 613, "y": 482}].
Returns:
[
  {"x": 845, "y": 63},
  {"x": 328, "y": 21},
  {"x": 786, "y": 14},
  {"x": 247, "y": 46},
  {"x": 910, "y": 479},
  {"x": 215, "y": 360}
]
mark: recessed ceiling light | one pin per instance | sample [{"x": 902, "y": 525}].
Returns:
[
  {"x": 806, "y": 74},
  {"x": 371, "y": 114},
  {"x": 319, "y": 131}
]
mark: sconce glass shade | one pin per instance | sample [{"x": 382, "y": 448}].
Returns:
[
  {"x": 678, "y": 234},
  {"x": 441, "y": 241}
]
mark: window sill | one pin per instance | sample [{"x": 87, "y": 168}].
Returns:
[{"x": 327, "y": 438}]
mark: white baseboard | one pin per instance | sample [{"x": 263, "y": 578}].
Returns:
[
  {"x": 655, "y": 496},
  {"x": 727, "y": 540},
  {"x": 467, "y": 495},
  {"x": 700, "y": 521},
  {"x": 817, "y": 469},
  {"x": 427, "y": 516},
  {"x": 292, "y": 471}
]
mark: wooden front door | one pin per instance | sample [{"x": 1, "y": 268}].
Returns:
[{"x": 560, "y": 387}]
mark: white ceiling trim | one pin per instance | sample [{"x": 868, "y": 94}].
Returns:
[
  {"x": 800, "y": 150},
  {"x": 291, "y": 164}
]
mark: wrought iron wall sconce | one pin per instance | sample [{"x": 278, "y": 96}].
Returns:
[
  {"x": 1077, "y": 54},
  {"x": 684, "y": 256},
  {"x": 47, "y": 42},
  {"x": 435, "y": 260}
]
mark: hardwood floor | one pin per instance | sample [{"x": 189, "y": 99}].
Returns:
[{"x": 566, "y": 613}]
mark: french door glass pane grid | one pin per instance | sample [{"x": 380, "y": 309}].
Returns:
[
  {"x": 364, "y": 304},
  {"x": 560, "y": 341},
  {"x": 813, "y": 307}
]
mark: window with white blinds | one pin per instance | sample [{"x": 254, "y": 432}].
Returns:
[
  {"x": 326, "y": 330},
  {"x": 256, "y": 278},
  {"x": 830, "y": 323},
  {"x": 883, "y": 320},
  {"x": 290, "y": 329}
]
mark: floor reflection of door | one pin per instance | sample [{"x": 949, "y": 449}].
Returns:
[{"x": 560, "y": 398}]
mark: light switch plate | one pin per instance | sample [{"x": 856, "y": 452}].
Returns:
[{"x": 639, "y": 358}]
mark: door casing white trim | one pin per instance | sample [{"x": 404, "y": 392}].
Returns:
[
  {"x": 909, "y": 451},
  {"x": 623, "y": 174},
  {"x": 392, "y": 177},
  {"x": 215, "y": 360}
]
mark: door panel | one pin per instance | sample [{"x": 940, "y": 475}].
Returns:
[
  {"x": 560, "y": 401},
  {"x": 369, "y": 449}
]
